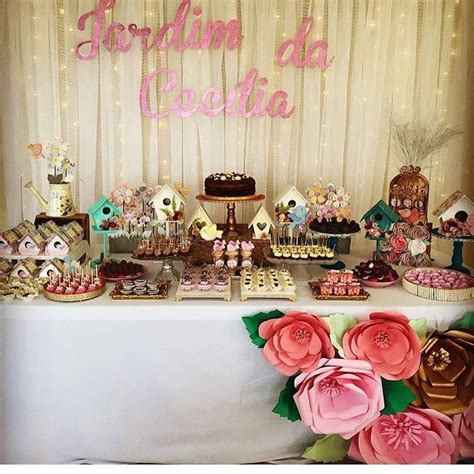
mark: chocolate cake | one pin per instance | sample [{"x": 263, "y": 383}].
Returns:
[
  {"x": 229, "y": 185},
  {"x": 333, "y": 226}
]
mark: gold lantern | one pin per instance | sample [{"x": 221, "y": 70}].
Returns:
[{"x": 408, "y": 195}]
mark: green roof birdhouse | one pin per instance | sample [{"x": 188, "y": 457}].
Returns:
[
  {"x": 380, "y": 215},
  {"x": 102, "y": 210}
]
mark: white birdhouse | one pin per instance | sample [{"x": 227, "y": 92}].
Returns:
[
  {"x": 199, "y": 219},
  {"x": 167, "y": 202},
  {"x": 59, "y": 245},
  {"x": 24, "y": 269},
  {"x": 287, "y": 201},
  {"x": 8, "y": 242},
  {"x": 456, "y": 203},
  {"x": 261, "y": 224},
  {"x": 31, "y": 244},
  {"x": 50, "y": 268}
]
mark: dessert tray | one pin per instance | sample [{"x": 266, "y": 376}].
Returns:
[
  {"x": 376, "y": 274},
  {"x": 116, "y": 271},
  {"x": 338, "y": 285},
  {"x": 312, "y": 255},
  {"x": 141, "y": 290},
  {"x": 438, "y": 284},
  {"x": 74, "y": 297},
  {"x": 206, "y": 282},
  {"x": 267, "y": 283}
]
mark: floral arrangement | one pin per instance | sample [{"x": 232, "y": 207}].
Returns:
[
  {"x": 407, "y": 245},
  {"x": 328, "y": 203},
  {"x": 379, "y": 391},
  {"x": 55, "y": 152},
  {"x": 416, "y": 142}
]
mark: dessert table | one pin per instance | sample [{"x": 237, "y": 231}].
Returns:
[{"x": 158, "y": 381}]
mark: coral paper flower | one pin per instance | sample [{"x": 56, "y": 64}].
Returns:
[
  {"x": 339, "y": 397},
  {"x": 465, "y": 432},
  {"x": 415, "y": 436},
  {"x": 399, "y": 243},
  {"x": 295, "y": 342},
  {"x": 445, "y": 379},
  {"x": 388, "y": 342}
]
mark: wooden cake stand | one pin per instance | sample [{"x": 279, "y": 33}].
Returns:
[{"x": 231, "y": 222}]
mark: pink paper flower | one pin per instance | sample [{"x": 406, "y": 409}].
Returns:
[
  {"x": 415, "y": 436},
  {"x": 248, "y": 246},
  {"x": 233, "y": 246},
  {"x": 296, "y": 341},
  {"x": 219, "y": 246},
  {"x": 399, "y": 243},
  {"x": 465, "y": 432},
  {"x": 341, "y": 397},
  {"x": 388, "y": 342}
]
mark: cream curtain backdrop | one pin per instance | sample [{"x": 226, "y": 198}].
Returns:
[{"x": 405, "y": 58}]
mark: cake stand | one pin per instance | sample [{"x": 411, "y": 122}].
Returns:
[
  {"x": 339, "y": 265},
  {"x": 230, "y": 202},
  {"x": 456, "y": 259},
  {"x": 299, "y": 268}
]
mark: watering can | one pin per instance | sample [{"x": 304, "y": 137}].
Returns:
[{"x": 59, "y": 203}]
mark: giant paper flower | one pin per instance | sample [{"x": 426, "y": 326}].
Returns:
[
  {"x": 295, "y": 342},
  {"x": 399, "y": 244},
  {"x": 388, "y": 342},
  {"x": 445, "y": 378},
  {"x": 465, "y": 432},
  {"x": 317, "y": 195},
  {"x": 414, "y": 436},
  {"x": 339, "y": 397},
  {"x": 339, "y": 197}
]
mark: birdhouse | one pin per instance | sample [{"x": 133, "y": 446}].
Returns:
[
  {"x": 59, "y": 245},
  {"x": 23, "y": 228},
  {"x": 199, "y": 219},
  {"x": 382, "y": 215},
  {"x": 261, "y": 224},
  {"x": 287, "y": 201},
  {"x": 8, "y": 242},
  {"x": 50, "y": 268},
  {"x": 102, "y": 210},
  {"x": 457, "y": 206},
  {"x": 168, "y": 203},
  {"x": 5, "y": 267},
  {"x": 31, "y": 244},
  {"x": 25, "y": 268}
]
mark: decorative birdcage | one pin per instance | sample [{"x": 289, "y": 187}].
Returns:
[{"x": 408, "y": 195}]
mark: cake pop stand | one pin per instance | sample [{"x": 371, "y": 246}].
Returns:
[
  {"x": 230, "y": 202},
  {"x": 456, "y": 259},
  {"x": 299, "y": 268},
  {"x": 339, "y": 265}
]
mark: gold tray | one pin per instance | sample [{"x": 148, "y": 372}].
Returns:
[
  {"x": 115, "y": 293},
  {"x": 74, "y": 298},
  {"x": 314, "y": 285}
]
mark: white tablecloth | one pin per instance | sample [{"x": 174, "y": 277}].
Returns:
[{"x": 156, "y": 382}]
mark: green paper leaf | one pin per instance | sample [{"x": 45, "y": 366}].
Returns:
[
  {"x": 397, "y": 396},
  {"x": 331, "y": 448},
  {"x": 253, "y": 322},
  {"x": 419, "y": 326},
  {"x": 286, "y": 406},
  {"x": 339, "y": 324},
  {"x": 466, "y": 322}
]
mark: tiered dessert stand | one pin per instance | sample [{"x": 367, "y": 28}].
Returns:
[
  {"x": 230, "y": 202},
  {"x": 456, "y": 259}
]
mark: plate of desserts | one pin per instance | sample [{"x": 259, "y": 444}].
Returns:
[
  {"x": 67, "y": 289},
  {"x": 376, "y": 274},
  {"x": 157, "y": 248},
  {"x": 267, "y": 283},
  {"x": 334, "y": 227},
  {"x": 123, "y": 270},
  {"x": 338, "y": 285},
  {"x": 208, "y": 281},
  {"x": 141, "y": 289},
  {"x": 440, "y": 284},
  {"x": 300, "y": 253}
]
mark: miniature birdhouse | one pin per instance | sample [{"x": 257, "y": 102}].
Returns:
[
  {"x": 287, "y": 201},
  {"x": 31, "y": 244},
  {"x": 382, "y": 215},
  {"x": 261, "y": 224},
  {"x": 457, "y": 206},
  {"x": 101, "y": 211},
  {"x": 199, "y": 219},
  {"x": 50, "y": 268},
  {"x": 23, "y": 228},
  {"x": 168, "y": 203},
  {"x": 59, "y": 245},
  {"x": 25, "y": 268},
  {"x": 8, "y": 242}
]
